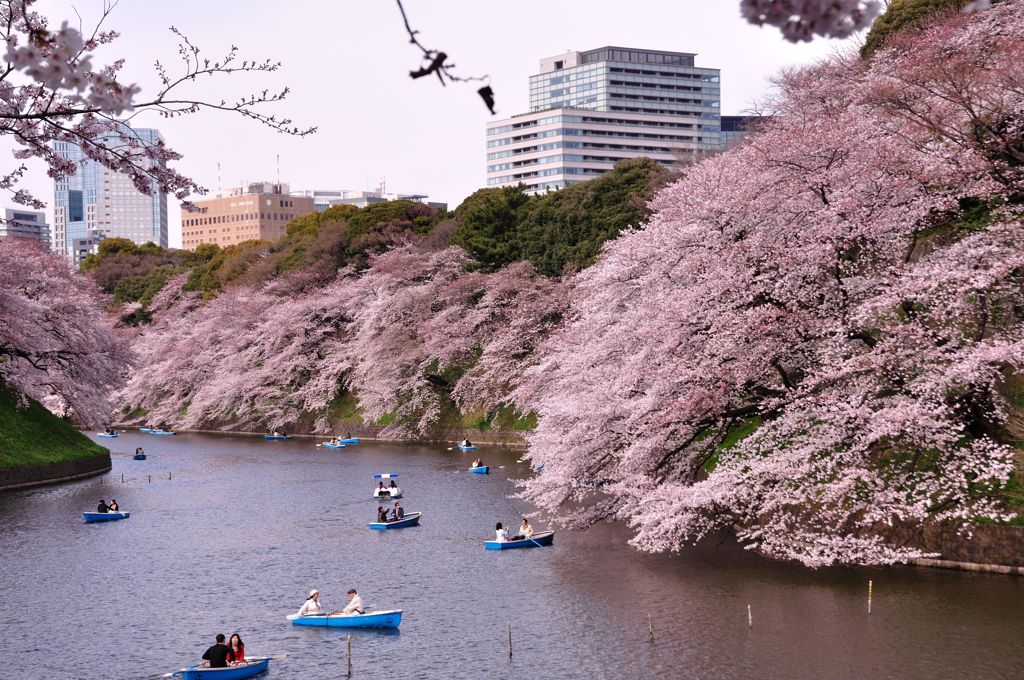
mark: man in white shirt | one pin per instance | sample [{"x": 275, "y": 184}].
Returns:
[
  {"x": 355, "y": 604},
  {"x": 312, "y": 604}
]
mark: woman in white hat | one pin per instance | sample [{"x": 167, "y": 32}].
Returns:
[{"x": 312, "y": 604}]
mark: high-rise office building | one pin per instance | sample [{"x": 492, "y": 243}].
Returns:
[
  {"x": 20, "y": 223},
  {"x": 589, "y": 110},
  {"x": 97, "y": 202},
  {"x": 257, "y": 211}
]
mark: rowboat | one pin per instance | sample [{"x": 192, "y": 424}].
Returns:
[
  {"x": 139, "y": 456},
  {"x": 467, "y": 448},
  {"x": 387, "y": 493},
  {"x": 246, "y": 669},
  {"x": 350, "y": 440},
  {"x": 163, "y": 433},
  {"x": 107, "y": 435},
  {"x": 328, "y": 445},
  {"x": 387, "y": 618},
  {"x": 276, "y": 437},
  {"x": 540, "y": 538},
  {"x": 145, "y": 429},
  {"x": 410, "y": 519},
  {"x": 104, "y": 516},
  {"x": 480, "y": 469}
]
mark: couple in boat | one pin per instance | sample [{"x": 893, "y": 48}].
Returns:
[
  {"x": 338, "y": 441},
  {"x": 501, "y": 533},
  {"x": 222, "y": 655},
  {"x": 396, "y": 514},
  {"x": 311, "y": 607}
]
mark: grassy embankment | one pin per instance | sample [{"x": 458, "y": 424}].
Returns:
[{"x": 34, "y": 436}]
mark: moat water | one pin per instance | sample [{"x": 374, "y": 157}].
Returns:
[{"x": 228, "y": 534}]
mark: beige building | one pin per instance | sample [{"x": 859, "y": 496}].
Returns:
[{"x": 258, "y": 211}]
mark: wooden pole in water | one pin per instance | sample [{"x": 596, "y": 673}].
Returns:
[
  {"x": 168, "y": 476},
  {"x": 349, "y": 647},
  {"x": 869, "y": 595},
  {"x": 510, "y": 641},
  {"x": 122, "y": 478},
  {"x": 650, "y": 626},
  {"x": 149, "y": 479},
  {"x": 750, "y": 618}
]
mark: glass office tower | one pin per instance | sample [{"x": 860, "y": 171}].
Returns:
[{"x": 97, "y": 203}]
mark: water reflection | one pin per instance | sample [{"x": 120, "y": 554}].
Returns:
[{"x": 244, "y": 528}]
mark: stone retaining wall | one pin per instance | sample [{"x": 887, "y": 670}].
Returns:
[
  {"x": 52, "y": 473},
  {"x": 985, "y": 546}
]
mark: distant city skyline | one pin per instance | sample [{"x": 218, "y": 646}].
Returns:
[{"x": 375, "y": 122}]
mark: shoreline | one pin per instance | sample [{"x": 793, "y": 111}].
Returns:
[
  {"x": 511, "y": 439},
  {"x": 45, "y": 474}
]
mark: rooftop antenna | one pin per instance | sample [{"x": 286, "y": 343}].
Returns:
[{"x": 279, "y": 169}]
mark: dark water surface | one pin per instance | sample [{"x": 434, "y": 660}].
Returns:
[{"x": 245, "y": 528}]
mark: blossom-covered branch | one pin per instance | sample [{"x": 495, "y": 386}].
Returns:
[{"x": 50, "y": 91}]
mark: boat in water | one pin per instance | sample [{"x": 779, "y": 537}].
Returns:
[
  {"x": 480, "y": 470},
  {"x": 332, "y": 445},
  {"x": 387, "y": 618},
  {"x": 410, "y": 519},
  {"x": 107, "y": 435},
  {"x": 471, "y": 447},
  {"x": 163, "y": 433},
  {"x": 139, "y": 456},
  {"x": 245, "y": 669},
  {"x": 388, "y": 492},
  {"x": 105, "y": 516},
  {"x": 277, "y": 437},
  {"x": 539, "y": 539},
  {"x": 349, "y": 440}
]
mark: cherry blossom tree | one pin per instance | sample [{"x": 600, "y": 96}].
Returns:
[
  {"x": 411, "y": 335},
  {"x": 806, "y": 343},
  {"x": 51, "y": 91},
  {"x": 56, "y": 342}
]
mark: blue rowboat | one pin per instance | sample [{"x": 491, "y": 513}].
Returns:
[
  {"x": 162, "y": 433},
  {"x": 276, "y": 437},
  {"x": 387, "y": 618},
  {"x": 350, "y": 440},
  {"x": 410, "y": 519},
  {"x": 106, "y": 435},
  {"x": 540, "y": 538},
  {"x": 104, "y": 516},
  {"x": 145, "y": 429},
  {"x": 247, "y": 669},
  {"x": 480, "y": 469},
  {"x": 466, "y": 448},
  {"x": 328, "y": 445},
  {"x": 139, "y": 456}
]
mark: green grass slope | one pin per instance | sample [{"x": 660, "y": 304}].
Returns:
[{"x": 34, "y": 435}]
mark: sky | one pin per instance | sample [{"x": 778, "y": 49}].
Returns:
[{"x": 346, "y": 63}]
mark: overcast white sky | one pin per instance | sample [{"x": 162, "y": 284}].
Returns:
[{"x": 347, "y": 65}]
